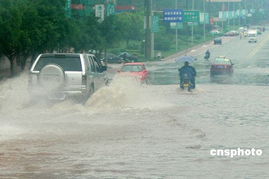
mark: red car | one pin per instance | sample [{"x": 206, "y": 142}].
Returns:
[
  {"x": 221, "y": 66},
  {"x": 137, "y": 70}
]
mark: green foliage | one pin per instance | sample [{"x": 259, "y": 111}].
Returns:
[
  {"x": 162, "y": 43},
  {"x": 29, "y": 27},
  {"x": 10, "y": 23},
  {"x": 132, "y": 25},
  {"x": 111, "y": 31},
  {"x": 134, "y": 45},
  {"x": 85, "y": 35}
]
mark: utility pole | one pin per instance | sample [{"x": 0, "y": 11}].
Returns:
[
  {"x": 245, "y": 7},
  {"x": 239, "y": 16},
  {"x": 176, "y": 32},
  {"x": 192, "y": 27},
  {"x": 228, "y": 13},
  {"x": 152, "y": 34},
  {"x": 148, "y": 26},
  {"x": 233, "y": 14},
  {"x": 222, "y": 22},
  {"x": 204, "y": 16}
]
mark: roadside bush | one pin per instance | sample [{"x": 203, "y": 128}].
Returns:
[{"x": 134, "y": 45}]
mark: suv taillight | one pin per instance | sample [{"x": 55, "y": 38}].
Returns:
[{"x": 84, "y": 79}]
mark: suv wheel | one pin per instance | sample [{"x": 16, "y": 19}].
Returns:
[{"x": 51, "y": 77}]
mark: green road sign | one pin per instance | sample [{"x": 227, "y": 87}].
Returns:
[
  {"x": 81, "y": 8},
  {"x": 110, "y": 9},
  {"x": 155, "y": 24},
  {"x": 191, "y": 16},
  {"x": 68, "y": 8},
  {"x": 204, "y": 18}
]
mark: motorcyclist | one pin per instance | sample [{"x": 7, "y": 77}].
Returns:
[
  {"x": 190, "y": 72},
  {"x": 207, "y": 54}
]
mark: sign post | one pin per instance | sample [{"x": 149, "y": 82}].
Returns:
[
  {"x": 204, "y": 18},
  {"x": 192, "y": 17},
  {"x": 148, "y": 32},
  {"x": 110, "y": 9},
  {"x": 174, "y": 16},
  {"x": 100, "y": 11},
  {"x": 155, "y": 24},
  {"x": 68, "y": 8}
]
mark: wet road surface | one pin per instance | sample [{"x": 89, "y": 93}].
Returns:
[{"x": 131, "y": 131}]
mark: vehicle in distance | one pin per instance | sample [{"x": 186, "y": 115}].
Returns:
[
  {"x": 218, "y": 41},
  {"x": 58, "y": 75},
  {"x": 232, "y": 33},
  {"x": 259, "y": 30},
  {"x": 127, "y": 56},
  {"x": 136, "y": 70},
  {"x": 215, "y": 32},
  {"x": 221, "y": 66},
  {"x": 123, "y": 57},
  {"x": 252, "y": 36},
  {"x": 245, "y": 33},
  {"x": 111, "y": 58}
]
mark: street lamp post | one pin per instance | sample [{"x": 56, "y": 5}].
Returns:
[
  {"x": 176, "y": 31},
  {"x": 192, "y": 27},
  {"x": 204, "y": 17},
  {"x": 228, "y": 13},
  {"x": 239, "y": 15},
  {"x": 148, "y": 24}
]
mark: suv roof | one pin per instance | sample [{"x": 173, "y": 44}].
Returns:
[
  {"x": 60, "y": 54},
  {"x": 68, "y": 61},
  {"x": 222, "y": 60}
]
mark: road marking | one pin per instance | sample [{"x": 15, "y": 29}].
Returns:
[{"x": 259, "y": 46}]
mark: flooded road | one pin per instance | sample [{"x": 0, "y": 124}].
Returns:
[{"x": 131, "y": 131}]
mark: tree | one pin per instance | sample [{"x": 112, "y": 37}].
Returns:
[
  {"x": 31, "y": 26},
  {"x": 87, "y": 34},
  {"x": 10, "y": 32},
  {"x": 131, "y": 26},
  {"x": 111, "y": 31}
]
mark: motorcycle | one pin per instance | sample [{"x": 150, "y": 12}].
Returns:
[{"x": 186, "y": 83}]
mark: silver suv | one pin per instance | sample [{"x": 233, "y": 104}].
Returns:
[{"x": 58, "y": 75}]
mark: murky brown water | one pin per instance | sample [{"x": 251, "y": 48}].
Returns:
[{"x": 133, "y": 131}]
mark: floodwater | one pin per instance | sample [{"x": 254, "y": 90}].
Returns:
[{"x": 128, "y": 130}]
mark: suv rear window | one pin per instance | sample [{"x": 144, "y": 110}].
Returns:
[
  {"x": 222, "y": 61},
  {"x": 67, "y": 63}
]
